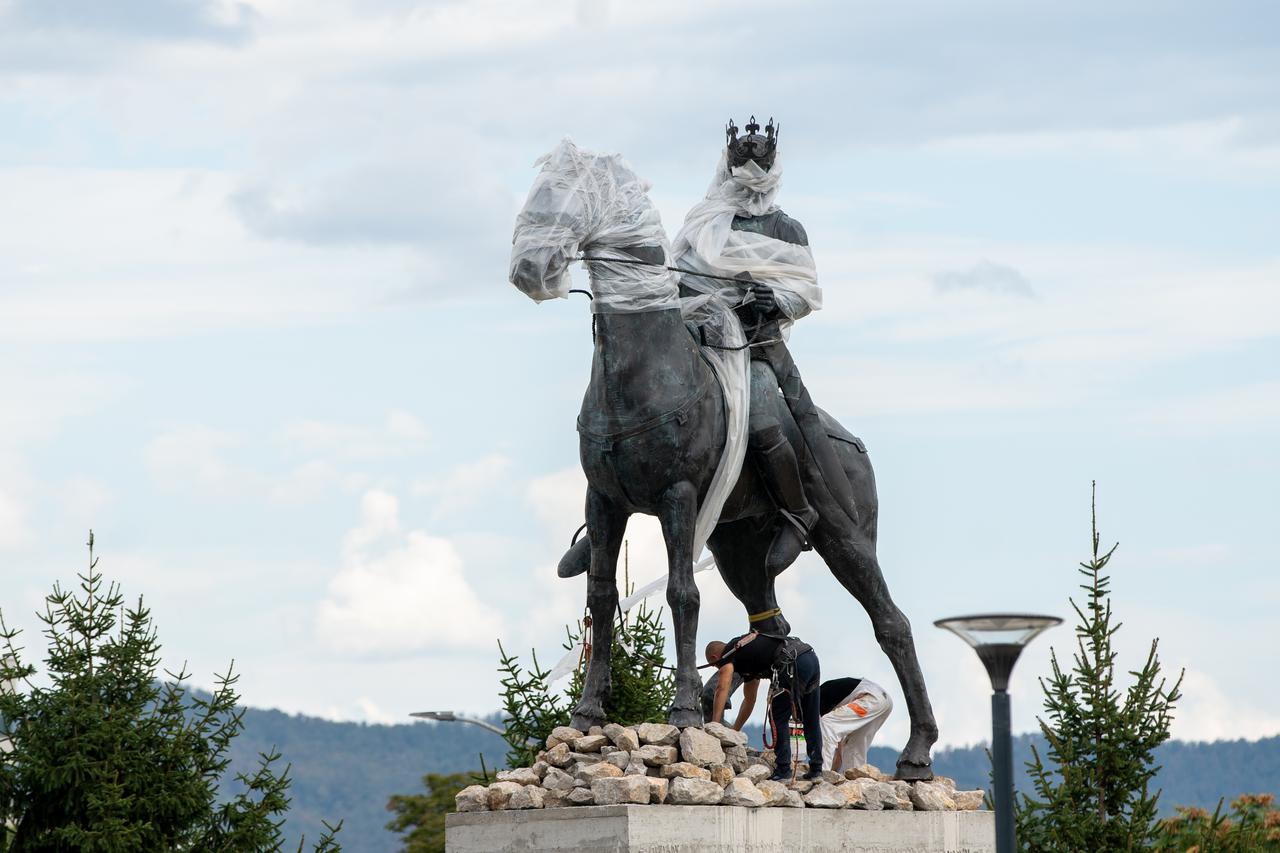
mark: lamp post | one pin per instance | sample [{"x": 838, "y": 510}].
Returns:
[
  {"x": 999, "y": 639},
  {"x": 451, "y": 717}
]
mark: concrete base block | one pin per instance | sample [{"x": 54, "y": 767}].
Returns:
[{"x": 718, "y": 829}]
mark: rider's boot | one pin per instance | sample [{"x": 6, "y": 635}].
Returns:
[{"x": 777, "y": 463}]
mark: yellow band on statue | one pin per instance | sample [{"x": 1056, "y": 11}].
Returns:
[{"x": 760, "y": 617}]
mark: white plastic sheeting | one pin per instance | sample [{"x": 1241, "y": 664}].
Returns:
[
  {"x": 594, "y": 203},
  {"x": 708, "y": 243}
]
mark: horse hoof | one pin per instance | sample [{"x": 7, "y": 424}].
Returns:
[
  {"x": 583, "y": 722},
  {"x": 908, "y": 772},
  {"x": 682, "y": 718}
]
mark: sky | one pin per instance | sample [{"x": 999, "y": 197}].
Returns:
[{"x": 255, "y": 328}]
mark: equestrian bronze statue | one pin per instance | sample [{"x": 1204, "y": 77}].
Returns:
[{"x": 690, "y": 374}]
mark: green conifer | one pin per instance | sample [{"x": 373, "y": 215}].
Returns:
[
  {"x": 101, "y": 757},
  {"x": 1093, "y": 792}
]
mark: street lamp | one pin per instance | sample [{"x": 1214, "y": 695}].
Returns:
[
  {"x": 451, "y": 717},
  {"x": 999, "y": 638}
]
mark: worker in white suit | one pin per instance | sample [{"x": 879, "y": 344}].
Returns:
[{"x": 853, "y": 710}]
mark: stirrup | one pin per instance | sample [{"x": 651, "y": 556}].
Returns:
[{"x": 800, "y": 526}]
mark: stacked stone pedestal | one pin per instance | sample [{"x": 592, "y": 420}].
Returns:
[
  {"x": 719, "y": 829},
  {"x": 658, "y": 764},
  {"x": 654, "y": 787}
]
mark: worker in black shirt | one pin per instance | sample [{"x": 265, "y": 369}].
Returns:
[{"x": 753, "y": 656}]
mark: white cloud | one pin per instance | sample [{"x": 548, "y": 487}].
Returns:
[
  {"x": 398, "y": 593},
  {"x": 400, "y": 434},
  {"x": 985, "y": 275},
  {"x": 463, "y": 485},
  {"x": 1207, "y": 713},
  {"x": 203, "y": 459},
  {"x": 193, "y": 457}
]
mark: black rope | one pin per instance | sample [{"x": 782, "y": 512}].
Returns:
[{"x": 639, "y": 262}]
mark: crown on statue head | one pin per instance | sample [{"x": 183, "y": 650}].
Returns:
[{"x": 753, "y": 146}]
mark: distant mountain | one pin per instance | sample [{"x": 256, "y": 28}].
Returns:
[
  {"x": 348, "y": 771},
  {"x": 1192, "y": 774}
]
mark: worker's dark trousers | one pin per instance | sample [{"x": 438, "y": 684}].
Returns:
[{"x": 809, "y": 675}]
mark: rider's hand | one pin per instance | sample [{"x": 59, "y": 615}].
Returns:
[{"x": 765, "y": 303}]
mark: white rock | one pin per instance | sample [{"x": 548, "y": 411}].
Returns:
[
  {"x": 621, "y": 789},
  {"x": 741, "y": 792},
  {"x": 618, "y": 758},
  {"x": 562, "y": 734},
  {"x": 661, "y": 734},
  {"x": 586, "y": 757},
  {"x": 721, "y": 774},
  {"x": 540, "y": 768},
  {"x": 902, "y": 796},
  {"x": 856, "y": 796},
  {"x": 473, "y": 798},
  {"x": 528, "y": 797},
  {"x": 555, "y": 799},
  {"x": 558, "y": 756},
  {"x": 693, "y": 792},
  {"x": 557, "y": 780},
  {"x": 656, "y": 756},
  {"x": 585, "y": 774},
  {"x": 636, "y": 767},
  {"x": 657, "y": 789},
  {"x": 775, "y": 792},
  {"x": 866, "y": 771},
  {"x": 728, "y": 736},
  {"x": 581, "y": 797},
  {"x": 932, "y": 797},
  {"x": 595, "y": 730},
  {"x": 683, "y": 769},
  {"x": 737, "y": 758},
  {"x": 825, "y": 796},
  {"x": 794, "y": 800},
  {"x": 756, "y": 773},
  {"x": 622, "y": 737},
  {"x": 698, "y": 747},
  {"x": 520, "y": 775},
  {"x": 500, "y": 794},
  {"x": 966, "y": 801},
  {"x": 589, "y": 743}
]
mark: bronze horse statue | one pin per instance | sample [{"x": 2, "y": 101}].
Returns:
[{"x": 652, "y": 428}]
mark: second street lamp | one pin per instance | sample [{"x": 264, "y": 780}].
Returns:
[{"x": 999, "y": 639}]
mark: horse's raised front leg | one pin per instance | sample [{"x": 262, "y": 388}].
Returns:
[
  {"x": 854, "y": 564},
  {"x": 606, "y": 524},
  {"x": 678, "y": 514}
]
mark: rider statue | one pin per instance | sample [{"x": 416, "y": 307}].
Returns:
[{"x": 738, "y": 231}]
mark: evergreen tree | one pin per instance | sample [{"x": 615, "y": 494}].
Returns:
[
  {"x": 421, "y": 816},
  {"x": 1093, "y": 793},
  {"x": 643, "y": 686},
  {"x": 104, "y": 758}
]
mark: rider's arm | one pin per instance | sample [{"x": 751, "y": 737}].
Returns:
[
  {"x": 723, "y": 687},
  {"x": 749, "y": 689}
]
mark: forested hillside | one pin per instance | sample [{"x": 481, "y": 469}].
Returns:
[{"x": 348, "y": 770}]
